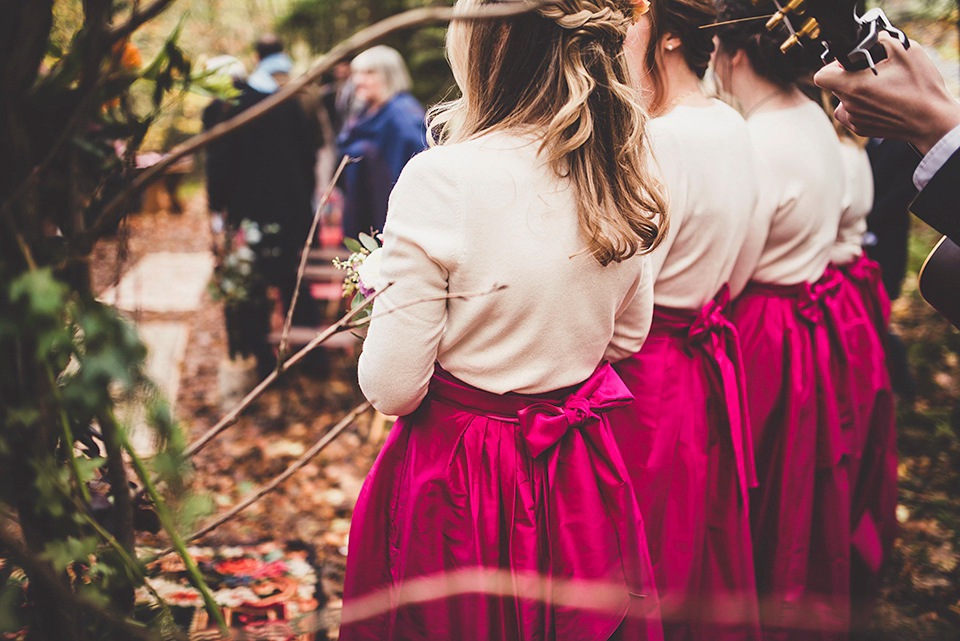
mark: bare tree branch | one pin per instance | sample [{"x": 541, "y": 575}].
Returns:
[
  {"x": 285, "y": 335},
  {"x": 234, "y": 414},
  {"x": 344, "y": 323},
  {"x": 448, "y": 296},
  {"x": 317, "y": 447},
  {"x": 112, "y": 211},
  {"x": 137, "y": 18}
]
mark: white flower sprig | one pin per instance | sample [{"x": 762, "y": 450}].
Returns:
[{"x": 363, "y": 272}]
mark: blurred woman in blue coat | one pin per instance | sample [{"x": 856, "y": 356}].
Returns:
[{"x": 388, "y": 131}]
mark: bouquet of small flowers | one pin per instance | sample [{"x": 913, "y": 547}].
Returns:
[
  {"x": 363, "y": 272},
  {"x": 236, "y": 279},
  {"x": 238, "y": 283}
]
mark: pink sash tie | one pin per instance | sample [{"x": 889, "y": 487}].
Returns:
[
  {"x": 716, "y": 337},
  {"x": 869, "y": 277},
  {"x": 544, "y": 424},
  {"x": 569, "y": 444}
]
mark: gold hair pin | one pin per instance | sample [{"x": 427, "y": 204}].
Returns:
[{"x": 720, "y": 24}]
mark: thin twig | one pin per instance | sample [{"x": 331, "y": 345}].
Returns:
[
  {"x": 317, "y": 447},
  {"x": 343, "y": 324},
  {"x": 21, "y": 241},
  {"x": 234, "y": 414},
  {"x": 137, "y": 18},
  {"x": 131, "y": 565},
  {"x": 285, "y": 335},
  {"x": 359, "y": 40},
  {"x": 81, "y": 486},
  {"x": 453, "y": 296}
]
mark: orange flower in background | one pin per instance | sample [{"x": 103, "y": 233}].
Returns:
[
  {"x": 640, "y": 7},
  {"x": 130, "y": 58}
]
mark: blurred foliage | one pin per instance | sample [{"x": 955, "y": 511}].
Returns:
[
  {"x": 67, "y": 510},
  {"x": 921, "y": 592}
]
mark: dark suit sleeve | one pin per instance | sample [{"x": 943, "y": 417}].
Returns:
[
  {"x": 217, "y": 159},
  {"x": 938, "y": 204}
]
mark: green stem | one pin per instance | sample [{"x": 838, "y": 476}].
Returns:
[
  {"x": 130, "y": 563},
  {"x": 193, "y": 572},
  {"x": 67, "y": 437}
]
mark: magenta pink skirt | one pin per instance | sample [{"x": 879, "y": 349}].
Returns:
[
  {"x": 860, "y": 312},
  {"x": 686, "y": 443},
  {"x": 490, "y": 517},
  {"x": 800, "y": 513}
]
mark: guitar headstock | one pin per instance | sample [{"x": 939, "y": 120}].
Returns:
[{"x": 834, "y": 24}]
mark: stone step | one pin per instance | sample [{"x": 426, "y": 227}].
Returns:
[
  {"x": 163, "y": 282},
  {"x": 327, "y": 254}
]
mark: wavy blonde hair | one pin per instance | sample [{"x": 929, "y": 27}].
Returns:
[{"x": 560, "y": 72}]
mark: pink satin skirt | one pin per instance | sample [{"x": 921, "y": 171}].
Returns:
[
  {"x": 686, "y": 443},
  {"x": 800, "y": 513},
  {"x": 489, "y": 517},
  {"x": 860, "y": 312}
]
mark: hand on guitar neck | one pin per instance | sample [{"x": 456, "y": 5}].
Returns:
[{"x": 905, "y": 100}]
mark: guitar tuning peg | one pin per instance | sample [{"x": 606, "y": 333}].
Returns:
[
  {"x": 790, "y": 43},
  {"x": 810, "y": 29},
  {"x": 778, "y": 17}
]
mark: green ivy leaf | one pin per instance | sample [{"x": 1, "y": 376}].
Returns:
[
  {"x": 43, "y": 295},
  {"x": 353, "y": 245},
  {"x": 12, "y": 597},
  {"x": 65, "y": 551},
  {"x": 87, "y": 466},
  {"x": 22, "y": 416},
  {"x": 368, "y": 242}
]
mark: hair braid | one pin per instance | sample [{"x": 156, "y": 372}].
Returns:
[{"x": 561, "y": 72}]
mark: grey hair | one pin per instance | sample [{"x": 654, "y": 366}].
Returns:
[{"x": 388, "y": 62}]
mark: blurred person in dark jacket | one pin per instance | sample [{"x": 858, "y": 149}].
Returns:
[
  {"x": 267, "y": 176},
  {"x": 387, "y": 133},
  {"x": 220, "y": 67}
]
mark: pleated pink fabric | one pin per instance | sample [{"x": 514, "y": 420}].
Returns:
[
  {"x": 860, "y": 311},
  {"x": 800, "y": 513},
  {"x": 490, "y": 517},
  {"x": 866, "y": 275},
  {"x": 686, "y": 442}
]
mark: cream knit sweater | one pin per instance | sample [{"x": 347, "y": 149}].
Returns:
[{"x": 465, "y": 218}]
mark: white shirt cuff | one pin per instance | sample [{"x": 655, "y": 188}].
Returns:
[{"x": 938, "y": 155}]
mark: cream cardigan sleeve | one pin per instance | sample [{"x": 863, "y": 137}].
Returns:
[
  {"x": 421, "y": 246},
  {"x": 634, "y": 317}
]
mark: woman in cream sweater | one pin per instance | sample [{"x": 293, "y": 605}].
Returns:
[{"x": 499, "y": 507}]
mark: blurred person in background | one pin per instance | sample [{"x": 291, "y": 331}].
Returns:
[
  {"x": 388, "y": 131},
  {"x": 338, "y": 96},
  {"x": 268, "y": 178},
  {"x": 220, "y": 67}
]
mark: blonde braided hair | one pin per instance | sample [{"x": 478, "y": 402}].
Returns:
[{"x": 560, "y": 72}]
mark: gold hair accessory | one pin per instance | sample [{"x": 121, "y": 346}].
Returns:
[
  {"x": 714, "y": 25},
  {"x": 640, "y": 7}
]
